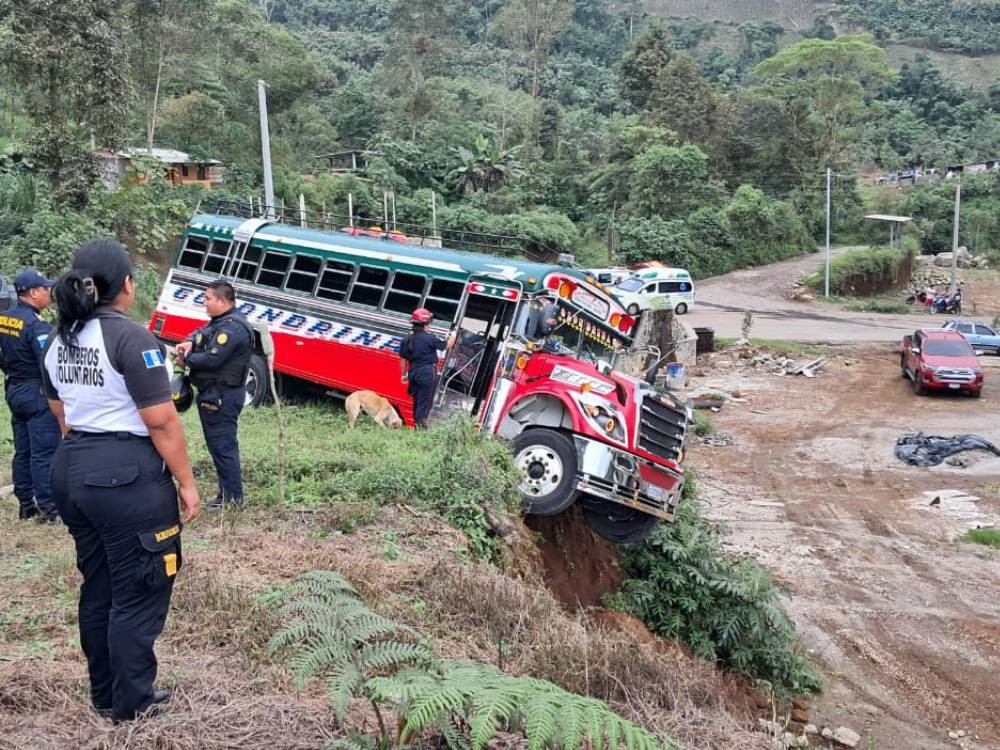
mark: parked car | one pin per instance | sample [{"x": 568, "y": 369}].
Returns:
[
  {"x": 983, "y": 338},
  {"x": 939, "y": 359}
]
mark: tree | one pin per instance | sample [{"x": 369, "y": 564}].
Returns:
[
  {"x": 485, "y": 166},
  {"x": 668, "y": 180},
  {"x": 833, "y": 79},
  {"x": 422, "y": 32},
  {"x": 643, "y": 62},
  {"x": 184, "y": 119},
  {"x": 680, "y": 99},
  {"x": 758, "y": 41},
  {"x": 70, "y": 59},
  {"x": 532, "y": 26}
]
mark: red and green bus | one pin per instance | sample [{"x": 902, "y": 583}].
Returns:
[{"x": 337, "y": 306}]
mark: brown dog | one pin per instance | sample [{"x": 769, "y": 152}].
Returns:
[{"x": 374, "y": 406}]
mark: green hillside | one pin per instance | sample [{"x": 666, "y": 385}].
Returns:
[{"x": 592, "y": 126}]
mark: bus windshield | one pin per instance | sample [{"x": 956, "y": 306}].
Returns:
[{"x": 576, "y": 334}]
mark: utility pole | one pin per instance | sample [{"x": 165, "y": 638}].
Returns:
[
  {"x": 265, "y": 147},
  {"x": 826, "y": 283},
  {"x": 954, "y": 238}
]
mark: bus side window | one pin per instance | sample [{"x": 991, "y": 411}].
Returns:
[
  {"x": 302, "y": 277},
  {"x": 246, "y": 262},
  {"x": 335, "y": 280},
  {"x": 443, "y": 299},
  {"x": 368, "y": 286},
  {"x": 273, "y": 269},
  {"x": 405, "y": 292},
  {"x": 193, "y": 254},
  {"x": 216, "y": 257}
]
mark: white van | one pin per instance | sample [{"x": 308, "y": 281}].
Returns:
[{"x": 655, "y": 289}]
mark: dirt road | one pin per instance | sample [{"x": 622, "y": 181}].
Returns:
[
  {"x": 903, "y": 618},
  {"x": 722, "y": 301}
]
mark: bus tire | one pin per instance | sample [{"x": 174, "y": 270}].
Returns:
[
  {"x": 258, "y": 383},
  {"x": 547, "y": 462},
  {"x": 616, "y": 523},
  {"x": 633, "y": 310},
  {"x": 681, "y": 308}
]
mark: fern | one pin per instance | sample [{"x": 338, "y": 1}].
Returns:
[
  {"x": 547, "y": 715},
  {"x": 330, "y": 632},
  {"x": 333, "y": 633}
]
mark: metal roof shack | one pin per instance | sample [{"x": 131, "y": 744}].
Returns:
[
  {"x": 347, "y": 162},
  {"x": 894, "y": 222},
  {"x": 183, "y": 169}
]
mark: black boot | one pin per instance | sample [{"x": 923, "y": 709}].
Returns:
[
  {"x": 27, "y": 511},
  {"x": 49, "y": 515},
  {"x": 216, "y": 503},
  {"x": 159, "y": 696}
]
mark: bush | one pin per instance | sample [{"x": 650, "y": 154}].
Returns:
[
  {"x": 684, "y": 587},
  {"x": 751, "y": 229},
  {"x": 989, "y": 537},
  {"x": 865, "y": 272}
]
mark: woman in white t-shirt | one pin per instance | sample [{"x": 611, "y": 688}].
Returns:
[{"x": 113, "y": 475}]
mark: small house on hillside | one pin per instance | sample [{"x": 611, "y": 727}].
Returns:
[
  {"x": 346, "y": 162},
  {"x": 182, "y": 168}
]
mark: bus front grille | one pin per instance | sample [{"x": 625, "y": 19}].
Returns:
[{"x": 661, "y": 429}]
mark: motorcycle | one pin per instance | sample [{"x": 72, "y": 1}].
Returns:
[
  {"x": 923, "y": 295},
  {"x": 948, "y": 305}
]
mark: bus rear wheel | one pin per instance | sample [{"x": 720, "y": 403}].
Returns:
[
  {"x": 633, "y": 310},
  {"x": 681, "y": 308},
  {"x": 617, "y": 523},
  {"x": 258, "y": 384},
  {"x": 547, "y": 462}
]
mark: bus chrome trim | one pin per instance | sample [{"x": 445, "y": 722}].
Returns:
[{"x": 616, "y": 475}]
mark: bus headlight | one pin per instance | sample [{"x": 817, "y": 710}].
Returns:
[{"x": 605, "y": 419}]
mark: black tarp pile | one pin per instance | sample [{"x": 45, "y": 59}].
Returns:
[{"x": 930, "y": 450}]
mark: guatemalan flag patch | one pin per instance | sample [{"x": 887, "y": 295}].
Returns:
[{"x": 153, "y": 358}]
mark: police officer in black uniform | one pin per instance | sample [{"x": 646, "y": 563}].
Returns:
[
  {"x": 418, "y": 359},
  {"x": 218, "y": 355},
  {"x": 23, "y": 334},
  {"x": 113, "y": 475}
]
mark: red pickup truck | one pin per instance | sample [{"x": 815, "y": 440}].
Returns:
[{"x": 940, "y": 360}]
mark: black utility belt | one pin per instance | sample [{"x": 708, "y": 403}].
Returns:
[
  {"x": 81, "y": 435},
  {"x": 221, "y": 386}
]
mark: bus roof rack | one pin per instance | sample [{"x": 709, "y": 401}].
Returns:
[{"x": 411, "y": 234}]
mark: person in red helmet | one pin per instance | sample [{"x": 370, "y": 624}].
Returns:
[{"x": 418, "y": 358}]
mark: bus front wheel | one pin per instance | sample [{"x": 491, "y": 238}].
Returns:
[
  {"x": 547, "y": 462},
  {"x": 616, "y": 523}
]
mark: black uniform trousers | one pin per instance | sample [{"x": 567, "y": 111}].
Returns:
[
  {"x": 119, "y": 502},
  {"x": 422, "y": 381},
  {"x": 219, "y": 409},
  {"x": 36, "y": 435}
]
